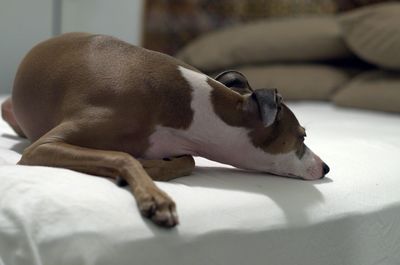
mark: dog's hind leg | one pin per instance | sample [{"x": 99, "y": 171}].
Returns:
[
  {"x": 52, "y": 150},
  {"x": 166, "y": 169},
  {"x": 170, "y": 168},
  {"x": 8, "y": 115}
]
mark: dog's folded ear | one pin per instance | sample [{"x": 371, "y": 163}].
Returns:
[
  {"x": 266, "y": 103},
  {"x": 235, "y": 81}
]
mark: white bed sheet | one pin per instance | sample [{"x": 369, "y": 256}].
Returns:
[{"x": 228, "y": 216}]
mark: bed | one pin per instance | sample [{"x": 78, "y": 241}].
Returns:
[{"x": 227, "y": 216}]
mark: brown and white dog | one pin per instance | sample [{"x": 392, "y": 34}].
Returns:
[{"x": 96, "y": 104}]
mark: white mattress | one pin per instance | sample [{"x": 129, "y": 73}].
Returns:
[{"x": 58, "y": 216}]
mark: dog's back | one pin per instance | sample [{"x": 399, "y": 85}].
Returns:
[{"x": 97, "y": 79}]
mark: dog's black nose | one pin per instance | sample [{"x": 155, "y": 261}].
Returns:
[{"x": 325, "y": 168}]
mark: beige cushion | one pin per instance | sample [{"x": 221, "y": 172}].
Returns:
[
  {"x": 375, "y": 90},
  {"x": 285, "y": 40},
  {"x": 297, "y": 81},
  {"x": 373, "y": 33}
]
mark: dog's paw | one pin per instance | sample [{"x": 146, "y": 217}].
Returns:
[{"x": 157, "y": 206}]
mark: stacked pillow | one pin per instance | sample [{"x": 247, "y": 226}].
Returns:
[
  {"x": 375, "y": 90},
  {"x": 283, "y": 53},
  {"x": 310, "y": 81},
  {"x": 268, "y": 41},
  {"x": 373, "y": 33},
  {"x": 295, "y": 56}
]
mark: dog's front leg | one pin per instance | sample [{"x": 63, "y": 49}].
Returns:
[{"x": 152, "y": 202}]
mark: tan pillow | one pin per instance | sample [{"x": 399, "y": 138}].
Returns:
[
  {"x": 297, "y": 81},
  {"x": 285, "y": 40},
  {"x": 375, "y": 90},
  {"x": 373, "y": 33}
]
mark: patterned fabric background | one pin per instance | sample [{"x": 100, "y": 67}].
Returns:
[{"x": 170, "y": 24}]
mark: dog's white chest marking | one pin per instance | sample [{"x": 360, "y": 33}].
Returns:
[{"x": 207, "y": 134}]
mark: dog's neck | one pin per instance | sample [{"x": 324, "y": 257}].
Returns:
[
  {"x": 208, "y": 135},
  {"x": 214, "y": 138}
]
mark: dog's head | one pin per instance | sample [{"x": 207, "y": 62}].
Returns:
[{"x": 274, "y": 131}]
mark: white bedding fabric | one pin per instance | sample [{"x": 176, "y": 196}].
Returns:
[{"x": 56, "y": 216}]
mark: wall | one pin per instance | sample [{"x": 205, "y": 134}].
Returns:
[
  {"x": 23, "y": 23},
  {"x": 120, "y": 18}
]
